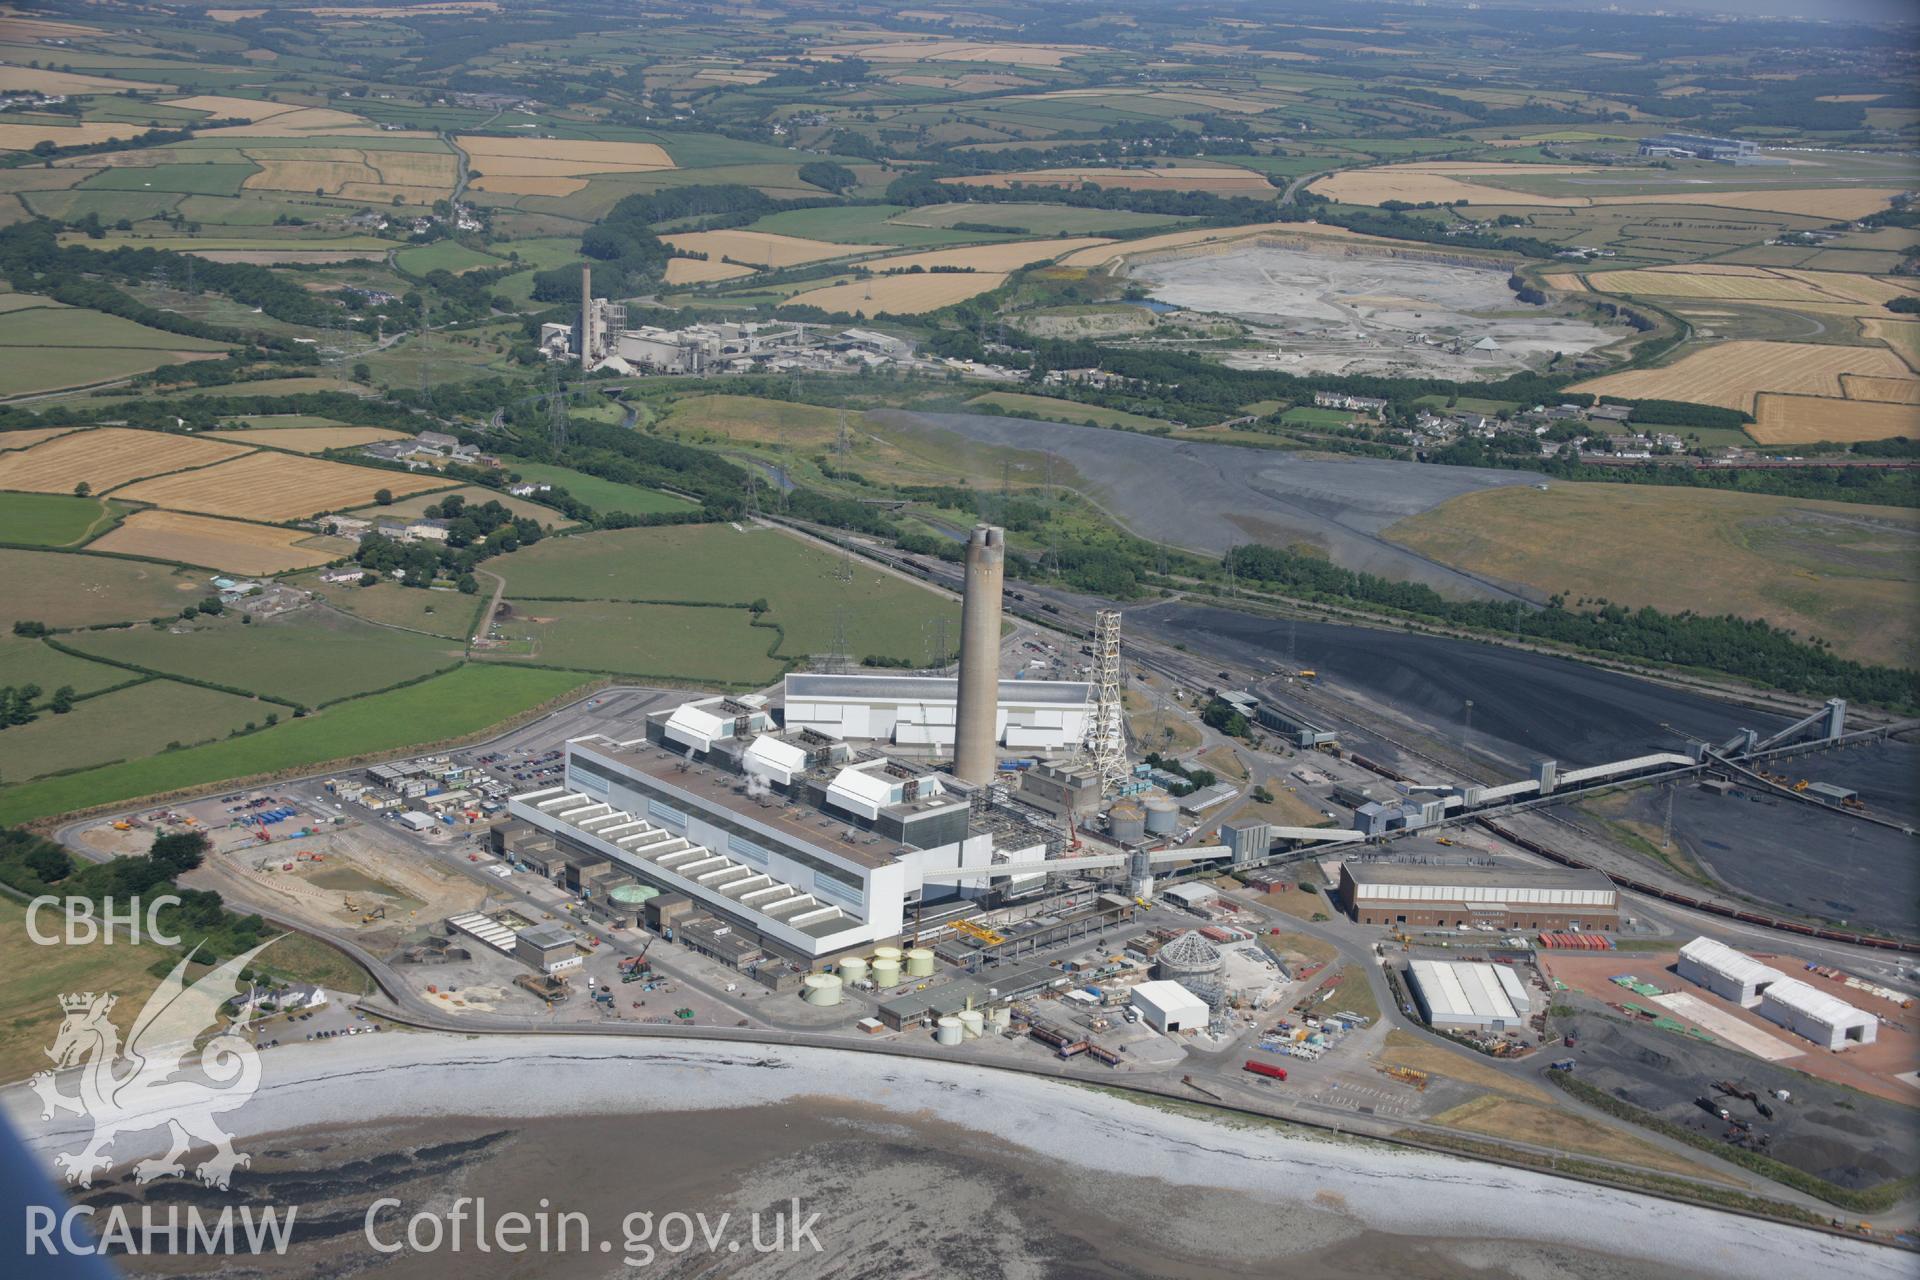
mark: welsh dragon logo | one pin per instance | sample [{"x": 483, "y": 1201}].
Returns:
[{"x": 144, "y": 1085}]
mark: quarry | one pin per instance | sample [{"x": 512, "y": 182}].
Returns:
[{"x": 1358, "y": 310}]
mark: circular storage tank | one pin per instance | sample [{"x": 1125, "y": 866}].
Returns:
[
  {"x": 1188, "y": 958},
  {"x": 947, "y": 1031},
  {"x": 1163, "y": 816},
  {"x": 972, "y": 1023},
  {"x": 919, "y": 963},
  {"x": 633, "y": 895},
  {"x": 886, "y": 973},
  {"x": 999, "y": 1018},
  {"x": 881, "y": 954},
  {"x": 822, "y": 988},
  {"x": 1126, "y": 821},
  {"x": 853, "y": 969}
]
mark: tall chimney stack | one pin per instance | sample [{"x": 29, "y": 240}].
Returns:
[
  {"x": 976, "y": 720},
  {"x": 586, "y": 319}
]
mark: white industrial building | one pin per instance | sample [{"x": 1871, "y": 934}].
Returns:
[
  {"x": 1828, "y": 1021},
  {"x": 1469, "y": 995},
  {"x": 1731, "y": 975},
  {"x": 1801, "y": 1008},
  {"x": 919, "y": 711},
  {"x": 1168, "y": 1006}
]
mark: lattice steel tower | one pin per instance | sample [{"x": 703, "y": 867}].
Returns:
[{"x": 1106, "y": 742}]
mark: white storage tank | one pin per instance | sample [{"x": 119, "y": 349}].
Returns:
[
  {"x": 1163, "y": 816},
  {"x": 919, "y": 963},
  {"x": 853, "y": 969},
  {"x": 999, "y": 1018},
  {"x": 1126, "y": 821},
  {"x": 947, "y": 1031},
  {"x": 972, "y": 1023},
  {"x": 886, "y": 973},
  {"x": 886, "y": 953},
  {"x": 822, "y": 988}
]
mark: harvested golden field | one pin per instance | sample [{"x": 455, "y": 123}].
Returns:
[
  {"x": 1893, "y": 390},
  {"x": 1827, "y": 202},
  {"x": 309, "y": 439},
  {"x": 1218, "y": 180},
  {"x": 1781, "y": 419},
  {"x": 1841, "y": 571},
  {"x": 1847, "y": 291},
  {"x": 557, "y": 157},
  {"x": 1014, "y": 55},
  {"x": 276, "y": 486},
  {"x": 555, "y": 187},
  {"x": 1729, "y": 374},
  {"x": 47, "y": 80},
  {"x": 22, "y": 137},
  {"x": 694, "y": 271},
  {"x": 1903, "y": 336},
  {"x": 1286, "y": 234},
  {"x": 11, "y": 440},
  {"x": 307, "y": 122},
  {"x": 106, "y": 458},
  {"x": 1419, "y": 183},
  {"x": 987, "y": 257},
  {"x": 278, "y": 257},
  {"x": 762, "y": 249},
  {"x": 227, "y": 545},
  {"x": 1496, "y": 1116},
  {"x": 224, "y": 108},
  {"x": 413, "y": 168},
  {"x": 317, "y": 174},
  {"x": 905, "y": 295}
]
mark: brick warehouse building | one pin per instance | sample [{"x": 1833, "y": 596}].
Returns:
[{"x": 1507, "y": 898}]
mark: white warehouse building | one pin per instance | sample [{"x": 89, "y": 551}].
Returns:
[
  {"x": 1167, "y": 1006},
  {"x": 918, "y": 711},
  {"x": 1801, "y": 1008},
  {"x": 1469, "y": 995},
  {"x": 1731, "y": 975}
]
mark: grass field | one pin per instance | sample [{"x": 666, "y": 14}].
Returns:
[
  {"x": 1066, "y": 410},
  {"x": 276, "y": 486},
  {"x": 457, "y": 704},
  {"x": 232, "y": 546},
  {"x": 31, "y": 662},
  {"x": 106, "y": 458},
  {"x": 31, "y": 370},
  {"x": 1215, "y": 180},
  {"x": 1840, "y": 571},
  {"x": 713, "y": 563},
  {"x": 301, "y": 658},
  {"x": 52, "y": 519},
  {"x": 444, "y": 613},
  {"x": 763, "y": 249},
  {"x": 715, "y": 645},
  {"x": 444, "y": 255},
  {"x": 127, "y": 725},
  {"x": 78, "y": 329},
  {"x": 474, "y": 495},
  {"x": 65, "y": 590},
  {"x": 1033, "y": 219},
  {"x": 601, "y": 495},
  {"x": 1783, "y": 419},
  {"x": 861, "y": 224},
  {"x": 703, "y": 419},
  {"x": 1731, "y": 374},
  {"x": 1497, "y": 1116}
]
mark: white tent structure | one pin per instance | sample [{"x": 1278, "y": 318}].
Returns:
[
  {"x": 1828, "y": 1021},
  {"x": 1729, "y": 974},
  {"x": 1168, "y": 1006}
]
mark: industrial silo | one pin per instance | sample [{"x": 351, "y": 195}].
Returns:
[
  {"x": 886, "y": 973},
  {"x": 999, "y": 1018},
  {"x": 822, "y": 988},
  {"x": 919, "y": 963},
  {"x": 947, "y": 1031},
  {"x": 1163, "y": 815},
  {"x": 1188, "y": 959},
  {"x": 633, "y": 896},
  {"x": 853, "y": 969},
  {"x": 972, "y": 1023},
  {"x": 1126, "y": 821},
  {"x": 881, "y": 954}
]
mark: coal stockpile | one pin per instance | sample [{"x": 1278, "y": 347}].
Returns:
[
  {"x": 1846, "y": 1137},
  {"x": 1526, "y": 706}
]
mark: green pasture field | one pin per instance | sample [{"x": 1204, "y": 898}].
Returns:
[
  {"x": 31, "y": 662},
  {"x": 444, "y": 255},
  {"x": 448, "y": 614},
  {"x": 715, "y": 563},
  {"x": 108, "y": 206},
  {"x": 67, "y": 590},
  {"x": 865, "y": 224},
  {"x": 711, "y": 645},
  {"x": 25, "y": 370},
  {"x": 53, "y": 519},
  {"x": 127, "y": 725},
  {"x": 1314, "y": 416},
  {"x": 185, "y": 179},
  {"x": 475, "y": 495},
  {"x": 1034, "y": 219},
  {"x": 601, "y": 495},
  {"x": 459, "y": 704},
  {"x": 309, "y": 658},
  {"x": 283, "y": 421},
  {"x": 1066, "y": 411},
  {"x": 77, "y": 327}
]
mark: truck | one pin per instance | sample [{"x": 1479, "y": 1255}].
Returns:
[
  {"x": 1561, "y": 1064},
  {"x": 1264, "y": 1069}
]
